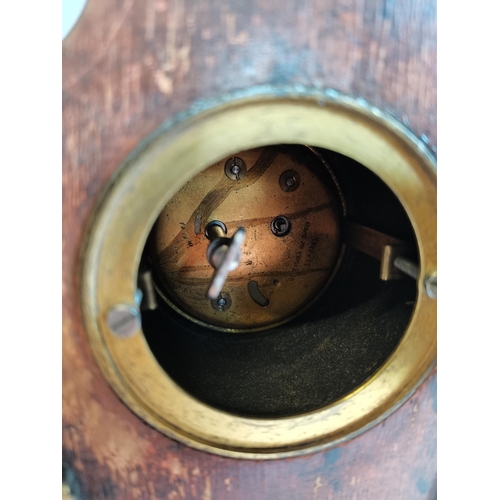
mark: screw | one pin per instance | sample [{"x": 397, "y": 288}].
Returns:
[
  {"x": 289, "y": 181},
  {"x": 124, "y": 320},
  {"x": 222, "y": 302},
  {"x": 280, "y": 226},
  {"x": 235, "y": 169},
  {"x": 430, "y": 284}
]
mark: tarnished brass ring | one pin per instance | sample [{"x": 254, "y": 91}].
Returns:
[{"x": 160, "y": 167}]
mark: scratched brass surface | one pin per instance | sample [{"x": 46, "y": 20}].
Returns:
[
  {"x": 291, "y": 271},
  {"x": 149, "y": 180}
]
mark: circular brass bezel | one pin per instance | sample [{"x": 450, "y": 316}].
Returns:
[{"x": 156, "y": 172}]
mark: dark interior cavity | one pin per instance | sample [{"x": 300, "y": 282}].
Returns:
[{"x": 321, "y": 355}]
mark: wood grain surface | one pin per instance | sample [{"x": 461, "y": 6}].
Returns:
[{"x": 129, "y": 65}]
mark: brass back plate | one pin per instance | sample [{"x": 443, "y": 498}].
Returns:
[{"x": 290, "y": 271}]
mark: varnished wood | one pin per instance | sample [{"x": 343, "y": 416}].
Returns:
[{"x": 127, "y": 67}]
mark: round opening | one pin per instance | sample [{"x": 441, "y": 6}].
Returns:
[
  {"x": 328, "y": 342},
  {"x": 327, "y": 319}
]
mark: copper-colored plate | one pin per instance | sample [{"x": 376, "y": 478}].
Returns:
[{"x": 291, "y": 270}]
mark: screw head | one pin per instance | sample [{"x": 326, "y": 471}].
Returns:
[
  {"x": 235, "y": 169},
  {"x": 124, "y": 320},
  {"x": 430, "y": 284},
  {"x": 222, "y": 302},
  {"x": 289, "y": 181},
  {"x": 280, "y": 226}
]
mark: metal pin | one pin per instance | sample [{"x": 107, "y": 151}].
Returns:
[
  {"x": 222, "y": 302},
  {"x": 407, "y": 266},
  {"x": 235, "y": 169},
  {"x": 146, "y": 285},
  {"x": 289, "y": 181}
]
